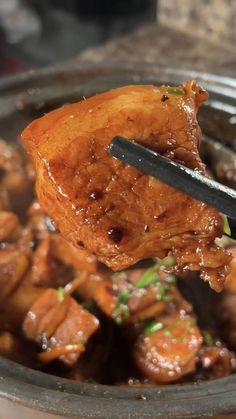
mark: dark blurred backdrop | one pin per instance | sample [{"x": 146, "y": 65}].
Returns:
[{"x": 36, "y": 33}]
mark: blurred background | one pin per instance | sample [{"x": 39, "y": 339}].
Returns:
[{"x": 185, "y": 33}]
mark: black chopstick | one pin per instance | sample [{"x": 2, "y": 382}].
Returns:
[{"x": 176, "y": 175}]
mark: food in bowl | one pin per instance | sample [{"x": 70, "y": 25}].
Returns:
[{"x": 65, "y": 312}]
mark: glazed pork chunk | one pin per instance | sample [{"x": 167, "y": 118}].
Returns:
[{"x": 112, "y": 209}]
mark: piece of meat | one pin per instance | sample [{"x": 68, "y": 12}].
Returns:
[
  {"x": 226, "y": 309},
  {"x": 230, "y": 283},
  {"x": 43, "y": 270},
  {"x": 61, "y": 326},
  {"x": 117, "y": 212},
  {"x": 20, "y": 192},
  {"x": 121, "y": 299},
  {"x": 17, "y": 291},
  {"x": 171, "y": 352},
  {"x": 13, "y": 266},
  {"x": 79, "y": 259},
  {"x": 4, "y": 199},
  {"x": 59, "y": 248},
  {"x": 37, "y": 222},
  {"x": 15, "y": 182},
  {"x": 217, "y": 361},
  {"x": 226, "y": 314},
  {"x": 15, "y": 307},
  {"x": 10, "y": 228},
  {"x": 55, "y": 261},
  {"x": 10, "y": 160}
]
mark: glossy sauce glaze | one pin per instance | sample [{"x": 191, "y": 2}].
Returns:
[{"x": 118, "y": 213}]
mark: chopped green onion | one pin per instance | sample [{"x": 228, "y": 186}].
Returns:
[
  {"x": 174, "y": 91},
  {"x": 153, "y": 327},
  {"x": 226, "y": 227},
  {"x": 161, "y": 290},
  {"x": 120, "y": 313},
  {"x": 168, "y": 262},
  {"x": 208, "y": 340},
  {"x": 149, "y": 277},
  {"x": 60, "y": 294},
  {"x": 123, "y": 296},
  {"x": 225, "y": 241},
  {"x": 121, "y": 310}
]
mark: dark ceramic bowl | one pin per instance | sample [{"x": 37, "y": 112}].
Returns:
[{"x": 28, "y": 394}]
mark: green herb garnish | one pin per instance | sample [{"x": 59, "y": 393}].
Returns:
[
  {"x": 153, "y": 327},
  {"x": 167, "y": 262},
  {"x": 149, "y": 277},
  {"x": 121, "y": 310},
  {"x": 120, "y": 313},
  {"x": 60, "y": 294},
  {"x": 208, "y": 340},
  {"x": 174, "y": 91},
  {"x": 161, "y": 291},
  {"x": 226, "y": 227},
  {"x": 123, "y": 296},
  {"x": 225, "y": 241}
]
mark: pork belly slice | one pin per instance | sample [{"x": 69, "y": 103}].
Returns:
[
  {"x": 60, "y": 326},
  {"x": 115, "y": 211},
  {"x": 171, "y": 352}
]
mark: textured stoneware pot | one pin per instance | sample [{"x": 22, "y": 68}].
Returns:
[{"x": 28, "y": 394}]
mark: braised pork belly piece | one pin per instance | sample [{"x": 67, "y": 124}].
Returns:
[
  {"x": 170, "y": 352},
  {"x": 115, "y": 211},
  {"x": 60, "y": 326}
]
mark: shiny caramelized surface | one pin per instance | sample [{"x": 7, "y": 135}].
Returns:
[{"x": 115, "y": 211}]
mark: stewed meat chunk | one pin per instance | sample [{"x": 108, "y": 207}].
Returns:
[
  {"x": 115, "y": 211},
  {"x": 169, "y": 353},
  {"x": 60, "y": 326}
]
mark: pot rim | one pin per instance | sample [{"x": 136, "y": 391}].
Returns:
[{"x": 68, "y": 398}]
